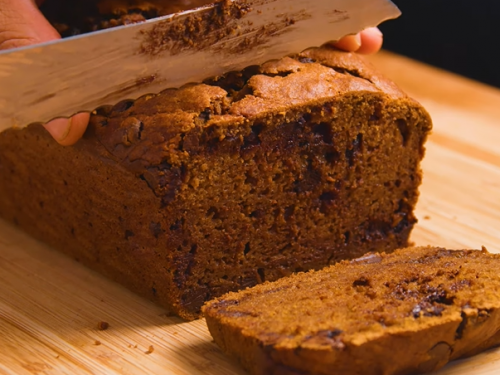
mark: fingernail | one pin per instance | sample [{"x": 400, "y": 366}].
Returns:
[
  {"x": 357, "y": 39},
  {"x": 376, "y": 31},
  {"x": 59, "y": 128}
]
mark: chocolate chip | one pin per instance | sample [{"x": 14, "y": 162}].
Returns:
[
  {"x": 439, "y": 355},
  {"x": 362, "y": 281}
]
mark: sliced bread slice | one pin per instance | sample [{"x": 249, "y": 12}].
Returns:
[{"x": 408, "y": 312}]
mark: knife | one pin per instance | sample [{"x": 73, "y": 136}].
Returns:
[{"x": 81, "y": 73}]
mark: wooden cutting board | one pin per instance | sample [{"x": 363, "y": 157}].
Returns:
[{"x": 50, "y": 306}]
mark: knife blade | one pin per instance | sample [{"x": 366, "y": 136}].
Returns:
[{"x": 78, "y": 74}]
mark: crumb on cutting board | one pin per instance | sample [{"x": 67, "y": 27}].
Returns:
[{"x": 102, "y": 326}]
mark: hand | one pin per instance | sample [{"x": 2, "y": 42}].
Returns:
[
  {"x": 22, "y": 24},
  {"x": 367, "y": 42}
]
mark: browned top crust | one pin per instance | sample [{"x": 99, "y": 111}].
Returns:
[
  {"x": 83, "y": 16},
  {"x": 403, "y": 313},
  {"x": 162, "y": 7},
  {"x": 220, "y": 107}
]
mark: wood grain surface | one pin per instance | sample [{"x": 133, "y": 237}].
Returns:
[{"x": 50, "y": 305}]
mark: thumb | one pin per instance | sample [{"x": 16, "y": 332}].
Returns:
[{"x": 22, "y": 24}]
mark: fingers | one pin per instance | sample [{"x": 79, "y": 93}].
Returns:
[
  {"x": 68, "y": 131},
  {"x": 371, "y": 41},
  {"x": 367, "y": 42},
  {"x": 22, "y": 24},
  {"x": 350, "y": 43}
]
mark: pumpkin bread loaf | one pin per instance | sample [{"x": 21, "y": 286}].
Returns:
[
  {"x": 405, "y": 313},
  {"x": 218, "y": 186}
]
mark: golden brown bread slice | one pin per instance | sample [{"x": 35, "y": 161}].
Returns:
[{"x": 407, "y": 312}]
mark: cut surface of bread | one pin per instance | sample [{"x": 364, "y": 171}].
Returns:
[{"x": 408, "y": 312}]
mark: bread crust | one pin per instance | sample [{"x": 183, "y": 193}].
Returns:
[{"x": 84, "y": 16}]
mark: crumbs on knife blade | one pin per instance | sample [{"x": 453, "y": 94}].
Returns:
[{"x": 216, "y": 28}]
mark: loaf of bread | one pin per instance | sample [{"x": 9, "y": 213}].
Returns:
[
  {"x": 215, "y": 187},
  {"x": 409, "y": 312}
]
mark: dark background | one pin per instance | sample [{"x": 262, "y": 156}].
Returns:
[{"x": 462, "y": 36}]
